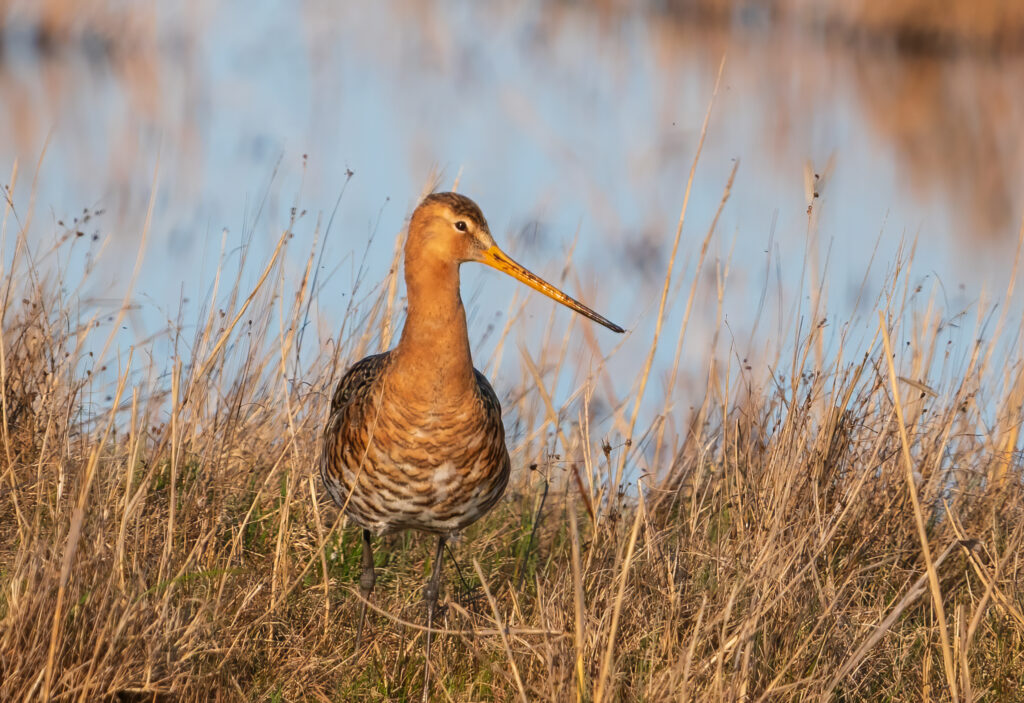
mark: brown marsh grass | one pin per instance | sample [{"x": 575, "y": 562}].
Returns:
[
  {"x": 849, "y": 530},
  {"x": 916, "y": 26}
]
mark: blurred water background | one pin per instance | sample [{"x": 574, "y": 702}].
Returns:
[{"x": 574, "y": 125}]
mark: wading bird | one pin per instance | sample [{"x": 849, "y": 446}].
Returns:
[{"x": 415, "y": 439}]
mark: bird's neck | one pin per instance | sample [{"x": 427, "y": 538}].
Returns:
[{"x": 432, "y": 359}]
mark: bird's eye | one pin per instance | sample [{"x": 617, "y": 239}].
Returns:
[{"x": 461, "y": 226}]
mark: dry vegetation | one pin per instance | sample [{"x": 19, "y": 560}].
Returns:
[
  {"x": 909, "y": 25},
  {"x": 850, "y": 531},
  {"x": 99, "y": 25}
]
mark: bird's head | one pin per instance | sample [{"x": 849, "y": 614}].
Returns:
[{"x": 449, "y": 227}]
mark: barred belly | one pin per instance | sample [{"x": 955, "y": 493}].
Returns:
[{"x": 441, "y": 477}]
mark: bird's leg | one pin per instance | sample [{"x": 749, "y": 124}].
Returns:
[
  {"x": 366, "y": 581},
  {"x": 430, "y": 595}
]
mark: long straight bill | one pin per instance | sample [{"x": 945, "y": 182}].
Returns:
[{"x": 495, "y": 257}]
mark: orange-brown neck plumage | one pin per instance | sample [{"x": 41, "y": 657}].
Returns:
[{"x": 432, "y": 360}]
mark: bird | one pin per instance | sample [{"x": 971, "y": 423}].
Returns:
[{"x": 414, "y": 439}]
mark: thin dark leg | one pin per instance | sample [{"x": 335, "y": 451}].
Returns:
[
  {"x": 430, "y": 595},
  {"x": 366, "y": 581}
]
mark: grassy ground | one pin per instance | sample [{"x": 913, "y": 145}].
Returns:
[{"x": 849, "y": 530}]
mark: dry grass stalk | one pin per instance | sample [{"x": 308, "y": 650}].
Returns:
[{"x": 170, "y": 542}]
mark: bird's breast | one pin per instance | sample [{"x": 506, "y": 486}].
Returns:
[{"x": 403, "y": 462}]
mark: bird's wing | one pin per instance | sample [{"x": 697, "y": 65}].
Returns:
[
  {"x": 358, "y": 379},
  {"x": 490, "y": 398}
]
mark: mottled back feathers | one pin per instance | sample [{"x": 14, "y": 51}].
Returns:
[{"x": 358, "y": 379}]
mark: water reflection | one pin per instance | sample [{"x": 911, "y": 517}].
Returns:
[
  {"x": 566, "y": 123},
  {"x": 950, "y": 125}
]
